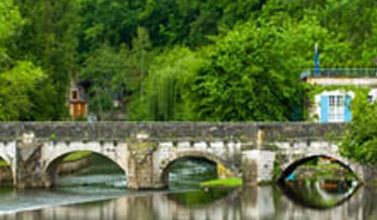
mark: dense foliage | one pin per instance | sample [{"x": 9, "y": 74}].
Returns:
[
  {"x": 175, "y": 59},
  {"x": 359, "y": 142}
]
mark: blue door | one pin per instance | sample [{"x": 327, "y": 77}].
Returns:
[
  {"x": 324, "y": 109},
  {"x": 347, "y": 109}
]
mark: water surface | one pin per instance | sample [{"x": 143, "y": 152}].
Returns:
[{"x": 100, "y": 193}]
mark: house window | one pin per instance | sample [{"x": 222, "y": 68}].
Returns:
[
  {"x": 74, "y": 94},
  {"x": 370, "y": 98},
  {"x": 336, "y": 108}
]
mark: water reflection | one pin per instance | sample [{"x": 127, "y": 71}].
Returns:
[
  {"x": 188, "y": 173},
  {"x": 318, "y": 200},
  {"x": 320, "y": 194},
  {"x": 265, "y": 203},
  {"x": 152, "y": 207}
]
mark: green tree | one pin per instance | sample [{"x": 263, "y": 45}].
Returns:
[
  {"x": 168, "y": 87},
  {"x": 10, "y": 23},
  {"x": 16, "y": 85},
  {"x": 20, "y": 81},
  {"x": 48, "y": 39},
  {"x": 253, "y": 71},
  {"x": 360, "y": 140},
  {"x": 107, "y": 71}
]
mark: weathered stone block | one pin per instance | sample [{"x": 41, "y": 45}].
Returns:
[{"x": 257, "y": 166}]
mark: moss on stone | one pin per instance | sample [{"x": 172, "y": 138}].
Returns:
[
  {"x": 77, "y": 156},
  {"x": 141, "y": 149},
  {"x": 3, "y": 163}
]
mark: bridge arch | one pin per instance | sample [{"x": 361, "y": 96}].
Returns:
[
  {"x": 51, "y": 164},
  {"x": 166, "y": 164},
  {"x": 11, "y": 167},
  {"x": 8, "y": 154},
  {"x": 289, "y": 166}
]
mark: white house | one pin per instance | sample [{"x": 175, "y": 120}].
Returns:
[{"x": 333, "y": 105}]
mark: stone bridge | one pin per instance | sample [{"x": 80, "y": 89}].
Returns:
[{"x": 145, "y": 151}]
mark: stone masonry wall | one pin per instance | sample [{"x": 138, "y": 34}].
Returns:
[{"x": 70, "y": 131}]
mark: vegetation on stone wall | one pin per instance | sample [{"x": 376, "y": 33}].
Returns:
[
  {"x": 77, "y": 156},
  {"x": 360, "y": 139}
]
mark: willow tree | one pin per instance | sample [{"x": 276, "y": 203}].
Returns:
[{"x": 167, "y": 91}]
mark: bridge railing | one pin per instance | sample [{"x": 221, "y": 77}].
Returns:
[{"x": 341, "y": 72}]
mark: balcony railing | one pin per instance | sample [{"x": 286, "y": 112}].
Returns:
[{"x": 341, "y": 72}]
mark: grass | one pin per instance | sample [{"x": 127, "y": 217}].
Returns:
[
  {"x": 229, "y": 183},
  {"x": 77, "y": 156}
]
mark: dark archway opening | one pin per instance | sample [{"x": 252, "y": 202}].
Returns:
[
  {"x": 6, "y": 175},
  {"x": 189, "y": 172},
  {"x": 317, "y": 166},
  {"x": 86, "y": 171},
  {"x": 318, "y": 182}
]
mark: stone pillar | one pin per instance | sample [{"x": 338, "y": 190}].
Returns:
[
  {"x": 369, "y": 175},
  {"x": 257, "y": 167},
  {"x": 142, "y": 175},
  {"x": 29, "y": 173}
]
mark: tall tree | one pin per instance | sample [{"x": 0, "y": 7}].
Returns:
[
  {"x": 18, "y": 79},
  {"x": 10, "y": 23},
  {"x": 49, "y": 40},
  {"x": 253, "y": 71}
]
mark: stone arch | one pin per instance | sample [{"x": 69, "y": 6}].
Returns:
[
  {"x": 4, "y": 157},
  {"x": 289, "y": 166},
  {"x": 9, "y": 161},
  {"x": 165, "y": 165},
  {"x": 8, "y": 154},
  {"x": 50, "y": 165}
]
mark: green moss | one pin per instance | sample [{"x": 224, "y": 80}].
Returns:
[
  {"x": 228, "y": 183},
  {"x": 77, "y": 156},
  {"x": 141, "y": 149},
  {"x": 276, "y": 172},
  {"x": 3, "y": 163},
  {"x": 53, "y": 137}
]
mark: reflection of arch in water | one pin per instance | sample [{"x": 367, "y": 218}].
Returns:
[
  {"x": 293, "y": 194},
  {"x": 196, "y": 155},
  {"x": 287, "y": 170},
  {"x": 51, "y": 167},
  {"x": 202, "y": 198},
  {"x": 331, "y": 193}
]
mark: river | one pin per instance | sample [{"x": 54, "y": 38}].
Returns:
[{"x": 99, "y": 193}]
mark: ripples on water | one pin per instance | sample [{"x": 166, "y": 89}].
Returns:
[
  {"x": 104, "y": 180},
  {"x": 265, "y": 203}
]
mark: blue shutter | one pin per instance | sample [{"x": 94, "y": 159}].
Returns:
[
  {"x": 324, "y": 109},
  {"x": 347, "y": 109}
]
